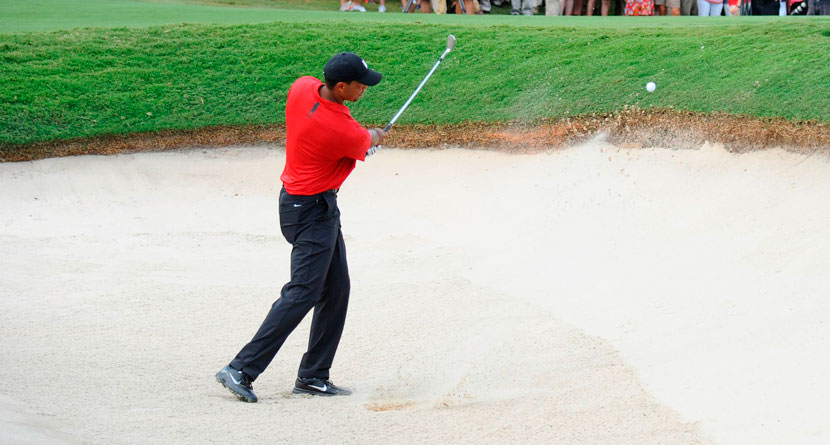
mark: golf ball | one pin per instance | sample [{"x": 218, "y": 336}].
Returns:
[{"x": 651, "y": 86}]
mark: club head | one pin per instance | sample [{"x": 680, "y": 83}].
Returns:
[{"x": 450, "y": 42}]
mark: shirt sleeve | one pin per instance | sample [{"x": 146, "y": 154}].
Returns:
[{"x": 356, "y": 142}]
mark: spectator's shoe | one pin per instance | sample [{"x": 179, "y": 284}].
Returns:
[
  {"x": 238, "y": 383},
  {"x": 358, "y": 8},
  {"x": 319, "y": 387},
  {"x": 514, "y": 12},
  {"x": 382, "y": 8},
  {"x": 346, "y": 6}
]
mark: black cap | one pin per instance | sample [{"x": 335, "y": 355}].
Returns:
[{"x": 346, "y": 67}]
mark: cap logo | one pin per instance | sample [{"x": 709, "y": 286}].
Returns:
[{"x": 364, "y": 64}]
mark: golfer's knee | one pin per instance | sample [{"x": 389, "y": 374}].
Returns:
[{"x": 301, "y": 295}]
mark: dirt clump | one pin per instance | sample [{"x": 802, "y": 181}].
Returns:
[{"x": 631, "y": 127}]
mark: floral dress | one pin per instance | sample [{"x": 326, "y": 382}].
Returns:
[{"x": 639, "y": 7}]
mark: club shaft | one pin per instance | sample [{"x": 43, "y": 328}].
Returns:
[{"x": 415, "y": 93}]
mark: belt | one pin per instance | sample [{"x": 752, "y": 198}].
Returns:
[{"x": 332, "y": 191}]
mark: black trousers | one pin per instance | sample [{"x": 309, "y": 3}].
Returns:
[{"x": 319, "y": 280}]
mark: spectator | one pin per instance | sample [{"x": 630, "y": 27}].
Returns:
[
  {"x": 604, "y": 6},
  {"x": 762, "y": 7},
  {"x": 552, "y": 7},
  {"x": 469, "y": 6},
  {"x": 688, "y": 7},
  {"x": 523, "y": 7},
  {"x": 798, "y": 7},
  {"x": 381, "y": 7},
  {"x": 572, "y": 7},
  {"x": 639, "y": 7},
  {"x": 818, "y": 7},
  {"x": 673, "y": 7},
  {"x": 711, "y": 8},
  {"x": 348, "y": 5},
  {"x": 426, "y": 5}
]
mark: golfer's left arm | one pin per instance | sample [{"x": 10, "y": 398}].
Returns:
[{"x": 378, "y": 136}]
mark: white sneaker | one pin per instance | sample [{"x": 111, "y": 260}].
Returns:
[
  {"x": 358, "y": 8},
  {"x": 346, "y": 6},
  {"x": 382, "y": 8}
]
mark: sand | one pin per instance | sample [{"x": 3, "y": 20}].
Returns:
[{"x": 589, "y": 295}]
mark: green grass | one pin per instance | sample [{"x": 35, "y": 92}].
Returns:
[
  {"x": 123, "y": 78},
  {"x": 51, "y": 15}
]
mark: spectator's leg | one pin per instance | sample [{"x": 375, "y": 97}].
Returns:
[
  {"x": 715, "y": 9},
  {"x": 552, "y": 7},
  {"x": 604, "y": 7},
  {"x": 591, "y": 6},
  {"x": 702, "y": 8},
  {"x": 673, "y": 6},
  {"x": 578, "y": 7}
]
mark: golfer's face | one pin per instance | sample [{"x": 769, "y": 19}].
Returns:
[{"x": 353, "y": 91}]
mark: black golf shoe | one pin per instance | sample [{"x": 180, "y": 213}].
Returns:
[
  {"x": 319, "y": 387},
  {"x": 238, "y": 383}
]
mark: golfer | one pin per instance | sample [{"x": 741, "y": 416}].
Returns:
[{"x": 323, "y": 142}]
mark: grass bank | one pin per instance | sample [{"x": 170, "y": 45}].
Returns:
[{"x": 107, "y": 81}]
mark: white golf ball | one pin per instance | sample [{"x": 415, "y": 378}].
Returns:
[{"x": 651, "y": 86}]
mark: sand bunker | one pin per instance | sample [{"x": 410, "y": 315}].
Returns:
[{"x": 589, "y": 295}]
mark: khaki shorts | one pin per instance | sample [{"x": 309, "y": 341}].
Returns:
[{"x": 668, "y": 3}]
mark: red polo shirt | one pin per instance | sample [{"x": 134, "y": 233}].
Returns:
[{"x": 323, "y": 140}]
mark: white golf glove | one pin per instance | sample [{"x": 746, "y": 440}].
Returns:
[{"x": 373, "y": 150}]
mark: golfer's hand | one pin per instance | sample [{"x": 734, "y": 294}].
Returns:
[{"x": 378, "y": 136}]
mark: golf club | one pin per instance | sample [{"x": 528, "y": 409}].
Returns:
[{"x": 450, "y": 46}]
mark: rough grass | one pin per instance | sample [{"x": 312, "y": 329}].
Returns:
[
  {"x": 65, "y": 85},
  {"x": 77, "y": 83}
]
